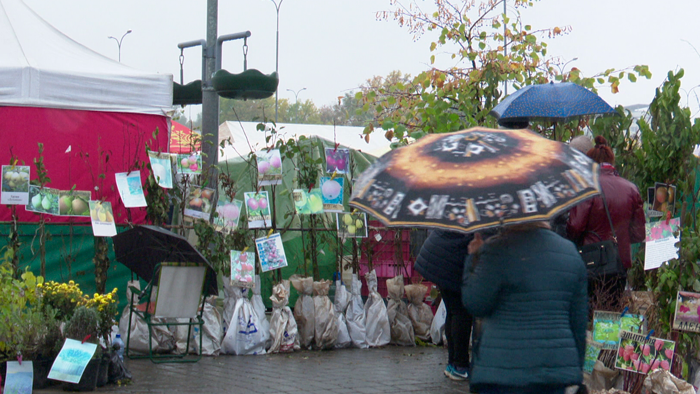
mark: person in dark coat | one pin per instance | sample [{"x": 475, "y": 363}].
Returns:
[
  {"x": 528, "y": 288},
  {"x": 441, "y": 261},
  {"x": 588, "y": 223}
]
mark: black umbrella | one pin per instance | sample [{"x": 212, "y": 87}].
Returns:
[{"x": 143, "y": 247}]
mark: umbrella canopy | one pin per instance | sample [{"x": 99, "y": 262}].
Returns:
[
  {"x": 183, "y": 139},
  {"x": 143, "y": 247},
  {"x": 475, "y": 179},
  {"x": 551, "y": 101}
]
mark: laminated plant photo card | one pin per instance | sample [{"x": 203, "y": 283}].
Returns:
[
  {"x": 15, "y": 185},
  {"x": 258, "y": 209},
  {"x": 162, "y": 168},
  {"x": 332, "y": 193},
  {"x": 269, "y": 167},
  {"x": 271, "y": 252}
]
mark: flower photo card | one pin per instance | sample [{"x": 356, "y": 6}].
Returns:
[
  {"x": 641, "y": 353},
  {"x": 660, "y": 242},
  {"x": 130, "y": 189},
  {"x": 242, "y": 269},
  {"x": 687, "y": 315},
  {"x": 72, "y": 361},
  {"x": 19, "y": 378}
]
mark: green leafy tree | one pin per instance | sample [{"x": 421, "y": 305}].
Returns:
[
  {"x": 475, "y": 35},
  {"x": 660, "y": 149}
]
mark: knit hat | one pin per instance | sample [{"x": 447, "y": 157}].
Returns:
[{"x": 581, "y": 143}]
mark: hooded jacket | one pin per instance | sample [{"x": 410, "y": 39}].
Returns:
[
  {"x": 441, "y": 258},
  {"x": 626, "y": 211},
  {"x": 530, "y": 290}
]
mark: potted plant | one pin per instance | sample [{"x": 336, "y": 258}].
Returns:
[
  {"x": 26, "y": 329},
  {"x": 106, "y": 307},
  {"x": 63, "y": 298},
  {"x": 83, "y": 326}
]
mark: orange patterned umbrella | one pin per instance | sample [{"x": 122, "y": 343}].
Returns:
[
  {"x": 475, "y": 179},
  {"x": 184, "y": 140}
]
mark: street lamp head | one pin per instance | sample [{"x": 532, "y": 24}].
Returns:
[{"x": 128, "y": 31}]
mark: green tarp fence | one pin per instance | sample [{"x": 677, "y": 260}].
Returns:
[{"x": 70, "y": 248}]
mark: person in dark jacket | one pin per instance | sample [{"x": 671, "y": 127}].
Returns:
[
  {"x": 588, "y": 223},
  {"x": 441, "y": 261},
  {"x": 528, "y": 287}
]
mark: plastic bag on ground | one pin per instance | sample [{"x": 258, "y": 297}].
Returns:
[
  {"x": 376, "y": 319},
  {"x": 326, "y": 324},
  {"x": 230, "y": 298},
  {"x": 212, "y": 331},
  {"x": 355, "y": 315},
  {"x": 117, "y": 371},
  {"x": 602, "y": 378},
  {"x": 244, "y": 336},
  {"x": 340, "y": 304},
  {"x": 283, "y": 328},
  {"x": 660, "y": 381},
  {"x": 401, "y": 326},
  {"x": 304, "y": 310},
  {"x": 180, "y": 335},
  {"x": 162, "y": 340},
  {"x": 418, "y": 311},
  {"x": 437, "y": 327},
  {"x": 259, "y": 307}
]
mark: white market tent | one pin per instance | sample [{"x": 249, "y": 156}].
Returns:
[
  {"x": 245, "y": 137},
  {"x": 42, "y": 67}
]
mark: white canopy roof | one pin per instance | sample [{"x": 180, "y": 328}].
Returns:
[
  {"x": 42, "y": 67},
  {"x": 245, "y": 137}
]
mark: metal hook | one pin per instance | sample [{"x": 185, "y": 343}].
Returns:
[
  {"x": 182, "y": 61},
  {"x": 245, "y": 53}
]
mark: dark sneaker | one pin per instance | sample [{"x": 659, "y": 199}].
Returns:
[
  {"x": 448, "y": 370},
  {"x": 458, "y": 374}
]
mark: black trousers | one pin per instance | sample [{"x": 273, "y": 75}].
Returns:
[{"x": 458, "y": 329}]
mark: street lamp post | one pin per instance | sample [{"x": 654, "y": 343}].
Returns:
[
  {"x": 562, "y": 69},
  {"x": 296, "y": 94},
  {"x": 119, "y": 43},
  {"x": 277, "y": 54}
]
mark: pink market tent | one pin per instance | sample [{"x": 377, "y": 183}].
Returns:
[{"x": 93, "y": 114}]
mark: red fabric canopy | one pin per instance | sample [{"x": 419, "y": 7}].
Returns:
[{"x": 100, "y": 143}]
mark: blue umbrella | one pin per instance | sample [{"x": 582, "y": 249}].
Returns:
[{"x": 556, "y": 102}]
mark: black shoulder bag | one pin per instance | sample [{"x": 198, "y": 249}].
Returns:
[{"x": 602, "y": 258}]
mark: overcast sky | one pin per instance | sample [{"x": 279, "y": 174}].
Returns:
[{"x": 330, "y": 47}]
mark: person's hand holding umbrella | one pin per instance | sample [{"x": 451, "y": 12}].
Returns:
[{"x": 475, "y": 244}]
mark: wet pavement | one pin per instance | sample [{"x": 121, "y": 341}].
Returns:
[{"x": 391, "y": 369}]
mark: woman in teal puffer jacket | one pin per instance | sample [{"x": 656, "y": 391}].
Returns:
[{"x": 528, "y": 286}]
